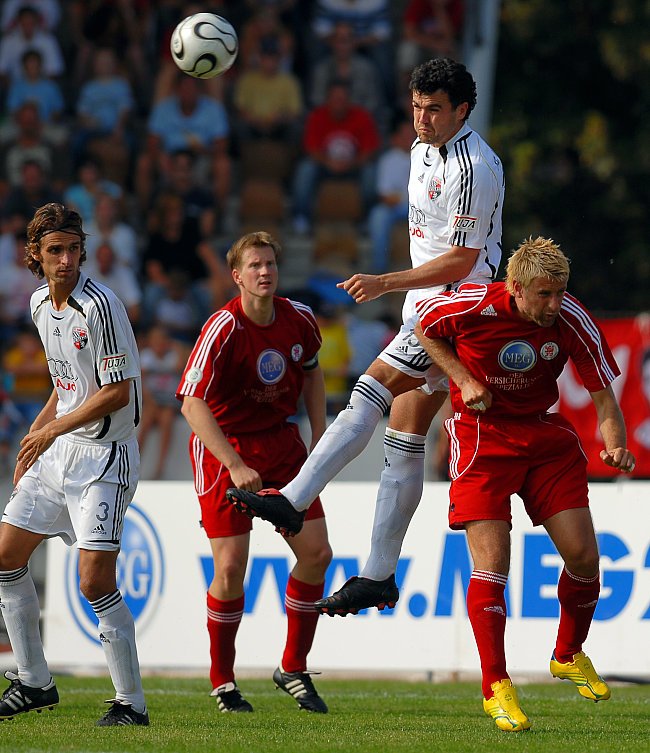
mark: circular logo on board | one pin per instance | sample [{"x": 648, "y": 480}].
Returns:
[{"x": 140, "y": 575}]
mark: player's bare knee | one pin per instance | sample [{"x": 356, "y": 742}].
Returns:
[
  {"x": 583, "y": 561},
  {"x": 230, "y": 575},
  {"x": 316, "y": 559}
]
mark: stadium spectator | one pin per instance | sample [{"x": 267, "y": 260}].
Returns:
[
  {"x": 268, "y": 100},
  {"x": 393, "y": 169},
  {"x": 186, "y": 120},
  {"x": 83, "y": 194},
  {"x": 16, "y": 287},
  {"x": 104, "y": 108},
  {"x": 174, "y": 245},
  {"x": 29, "y": 143},
  {"x": 25, "y": 364},
  {"x": 49, "y": 13},
  {"x": 344, "y": 63},
  {"x": 115, "y": 25},
  {"x": 198, "y": 200},
  {"x": 177, "y": 309},
  {"x": 334, "y": 355},
  {"x": 10, "y": 421},
  {"x": 29, "y": 34},
  {"x": 107, "y": 226},
  {"x": 402, "y": 377},
  {"x": 340, "y": 141},
  {"x": 77, "y": 466},
  {"x": 104, "y": 267},
  {"x": 373, "y": 31},
  {"x": 265, "y": 23},
  {"x": 33, "y": 86},
  {"x": 430, "y": 29},
  {"x": 524, "y": 450},
  {"x": 162, "y": 359},
  {"x": 252, "y": 362},
  {"x": 33, "y": 188}
]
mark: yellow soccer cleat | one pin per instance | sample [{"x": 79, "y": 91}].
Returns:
[
  {"x": 504, "y": 708},
  {"x": 582, "y": 674}
]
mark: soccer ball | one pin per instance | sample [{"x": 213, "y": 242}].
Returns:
[{"x": 204, "y": 45}]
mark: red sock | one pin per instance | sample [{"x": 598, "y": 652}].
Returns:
[
  {"x": 578, "y": 598},
  {"x": 223, "y": 623},
  {"x": 301, "y": 622},
  {"x": 486, "y": 607}
]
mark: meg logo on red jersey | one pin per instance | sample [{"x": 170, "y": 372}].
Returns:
[
  {"x": 271, "y": 366},
  {"x": 517, "y": 355}
]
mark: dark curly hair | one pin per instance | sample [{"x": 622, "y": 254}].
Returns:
[
  {"x": 445, "y": 74},
  {"x": 51, "y": 218}
]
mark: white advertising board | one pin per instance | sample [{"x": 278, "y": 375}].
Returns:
[{"x": 165, "y": 567}]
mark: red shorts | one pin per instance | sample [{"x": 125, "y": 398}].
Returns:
[
  {"x": 277, "y": 455},
  {"x": 540, "y": 459}
]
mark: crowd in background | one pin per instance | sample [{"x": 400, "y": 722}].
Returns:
[{"x": 95, "y": 114}]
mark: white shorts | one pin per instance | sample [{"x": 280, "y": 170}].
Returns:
[
  {"x": 78, "y": 490},
  {"x": 405, "y": 354}
]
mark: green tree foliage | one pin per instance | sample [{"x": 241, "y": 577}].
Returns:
[{"x": 572, "y": 122}]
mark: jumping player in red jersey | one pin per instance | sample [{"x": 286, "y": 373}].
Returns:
[
  {"x": 504, "y": 346},
  {"x": 253, "y": 360}
]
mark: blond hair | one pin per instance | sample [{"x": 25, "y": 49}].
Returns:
[
  {"x": 539, "y": 257},
  {"x": 259, "y": 239}
]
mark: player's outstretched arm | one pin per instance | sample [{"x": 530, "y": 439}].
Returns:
[
  {"x": 452, "y": 266},
  {"x": 612, "y": 429}
]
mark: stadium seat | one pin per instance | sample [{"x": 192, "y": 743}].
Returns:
[{"x": 339, "y": 201}]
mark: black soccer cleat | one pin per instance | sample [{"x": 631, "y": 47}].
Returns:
[
  {"x": 230, "y": 699},
  {"x": 300, "y": 686},
  {"x": 359, "y": 593},
  {"x": 19, "y": 698},
  {"x": 270, "y": 505},
  {"x": 122, "y": 714}
]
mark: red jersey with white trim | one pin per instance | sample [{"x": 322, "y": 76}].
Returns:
[
  {"x": 517, "y": 360},
  {"x": 250, "y": 375}
]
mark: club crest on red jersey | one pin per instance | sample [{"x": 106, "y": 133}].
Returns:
[
  {"x": 296, "y": 352},
  {"x": 79, "y": 338},
  {"x": 549, "y": 351},
  {"x": 434, "y": 188},
  {"x": 271, "y": 366}
]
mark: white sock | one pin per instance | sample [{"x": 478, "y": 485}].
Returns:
[
  {"x": 344, "y": 439},
  {"x": 21, "y": 613},
  {"x": 400, "y": 490},
  {"x": 117, "y": 635}
]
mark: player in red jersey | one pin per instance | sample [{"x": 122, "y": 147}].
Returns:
[
  {"x": 253, "y": 360},
  {"x": 504, "y": 346}
]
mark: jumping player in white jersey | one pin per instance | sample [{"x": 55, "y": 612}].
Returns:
[
  {"x": 456, "y": 192},
  {"x": 77, "y": 468}
]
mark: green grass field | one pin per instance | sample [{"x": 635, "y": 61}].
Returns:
[{"x": 364, "y": 716}]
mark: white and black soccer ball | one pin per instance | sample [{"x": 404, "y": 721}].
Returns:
[{"x": 204, "y": 45}]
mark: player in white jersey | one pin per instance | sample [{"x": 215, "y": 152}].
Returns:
[
  {"x": 77, "y": 468},
  {"x": 456, "y": 191}
]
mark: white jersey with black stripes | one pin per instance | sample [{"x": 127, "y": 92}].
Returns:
[
  {"x": 88, "y": 344},
  {"x": 456, "y": 197}
]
